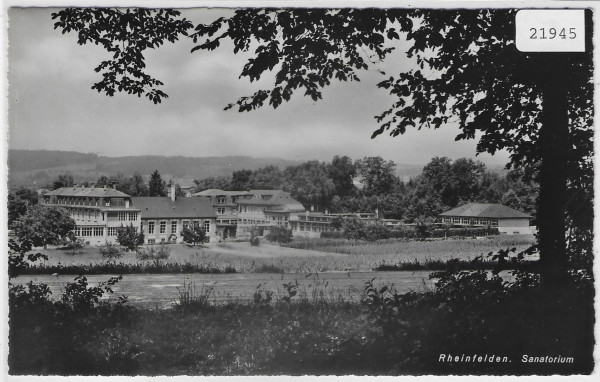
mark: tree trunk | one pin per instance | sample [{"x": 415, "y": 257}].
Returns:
[{"x": 554, "y": 134}]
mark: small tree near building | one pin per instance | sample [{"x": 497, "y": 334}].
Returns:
[
  {"x": 280, "y": 235},
  {"x": 129, "y": 237},
  {"x": 194, "y": 234},
  {"x": 43, "y": 225}
]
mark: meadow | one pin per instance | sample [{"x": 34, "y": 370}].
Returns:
[{"x": 300, "y": 256}]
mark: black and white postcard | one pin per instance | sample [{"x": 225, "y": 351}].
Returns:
[{"x": 299, "y": 188}]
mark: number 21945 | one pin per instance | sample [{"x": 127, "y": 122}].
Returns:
[{"x": 552, "y": 33}]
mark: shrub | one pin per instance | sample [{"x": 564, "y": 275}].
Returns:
[
  {"x": 191, "y": 299},
  {"x": 254, "y": 240},
  {"x": 153, "y": 254},
  {"x": 280, "y": 235},
  {"x": 194, "y": 234},
  {"x": 80, "y": 297},
  {"x": 110, "y": 251},
  {"x": 129, "y": 238}
]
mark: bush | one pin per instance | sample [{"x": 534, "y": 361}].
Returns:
[
  {"x": 254, "y": 240},
  {"x": 193, "y": 300},
  {"x": 129, "y": 238},
  {"x": 110, "y": 251},
  {"x": 153, "y": 254},
  {"x": 194, "y": 234},
  {"x": 280, "y": 235},
  {"x": 79, "y": 296}
]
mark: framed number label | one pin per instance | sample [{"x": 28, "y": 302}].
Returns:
[{"x": 550, "y": 30}]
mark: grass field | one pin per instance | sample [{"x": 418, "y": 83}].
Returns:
[{"x": 320, "y": 255}]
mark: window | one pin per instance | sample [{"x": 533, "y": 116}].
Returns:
[
  {"x": 220, "y": 200},
  {"x": 98, "y": 231},
  {"x": 174, "y": 226},
  {"x": 112, "y": 231},
  {"x": 116, "y": 201},
  {"x": 494, "y": 223},
  {"x": 207, "y": 226},
  {"x": 86, "y": 231},
  {"x": 150, "y": 227},
  {"x": 186, "y": 223},
  {"x": 151, "y": 241},
  {"x": 132, "y": 216},
  {"x": 122, "y": 216},
  {"x": 220, "y": 210},
  {"x": 163, "y": 227}
]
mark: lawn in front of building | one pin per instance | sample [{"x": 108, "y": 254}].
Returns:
[{"x": 316, "y": 255}]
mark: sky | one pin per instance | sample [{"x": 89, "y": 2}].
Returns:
[{"x": 51, "y": 106}]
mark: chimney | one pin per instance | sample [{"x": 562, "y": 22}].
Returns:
[
  {"x": 172, "y": 192},
  {"x": 114, "y": 186},
  {"x": 312, "y": 208}
]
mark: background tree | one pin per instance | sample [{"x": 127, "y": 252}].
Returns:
[
  {"x": 43, "y": 225},
  {"x": 309, "y": 183},
  {"x": 217, "y": 182},
  {"x": 240, "y": 180},
  {"x": 342, "y": 172},
  {"x": 64, "y": 180},
  {"x": 377, "y": 175},
  {"x": 156, "y": 185},
  {"x": 266, "y": 178},
  {"x": 18, "y": 203},
  {"x": 194, "y": 234},
  {"x": 137, "y": 186},
  {"x": 129, "y": 237}
]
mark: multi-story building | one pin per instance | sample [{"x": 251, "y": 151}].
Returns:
[
  {"x": 507, "y": 220},
  {"x": 98, "y": 212},
  {"x": 265, "y": 208},
  {"x": 224, "y": 203},
  {"x": 163, "y": 218},
  {"x": 312, "y": 224}
]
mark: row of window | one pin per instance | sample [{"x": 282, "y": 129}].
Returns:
[
  {"x": 253, "y": 221},
  {"x": 79, "y": 213},
  {"x": 314, "y": 227},
  {"x": 251, "y": 209},
  {"x": 471, "y": 221},
  {"x": 124, "y": 216},
  {"x": 86, "y": 201},
  {"x": 89, "y": 231},
  {"x": 162, "y": 226}
]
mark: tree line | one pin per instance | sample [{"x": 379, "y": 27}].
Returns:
[
  {"x": 134, "y": 185},
  {"x": 343, "y": 185},
  {"x": 370, "y": 184}
]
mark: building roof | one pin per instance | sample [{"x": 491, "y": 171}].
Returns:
[
  {"x": 93, "y": 192},
  {"x": 159, "y": 207},
  {"x": 278, "y": 200},
  {"x": 484, "y": 210},
  {"x": 217, "y": 192}
]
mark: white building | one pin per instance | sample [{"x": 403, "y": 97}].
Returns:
[
  {"x": 508, "y": 220},
  {"x": 98, "y": 212}
]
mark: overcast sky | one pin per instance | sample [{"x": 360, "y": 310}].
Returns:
[{"x": 52, "y": 107}]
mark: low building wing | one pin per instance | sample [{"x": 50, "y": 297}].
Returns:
[{"x": 485, "y": 210}]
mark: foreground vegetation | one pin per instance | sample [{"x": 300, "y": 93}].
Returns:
[{"x": 386, "y": 333}]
